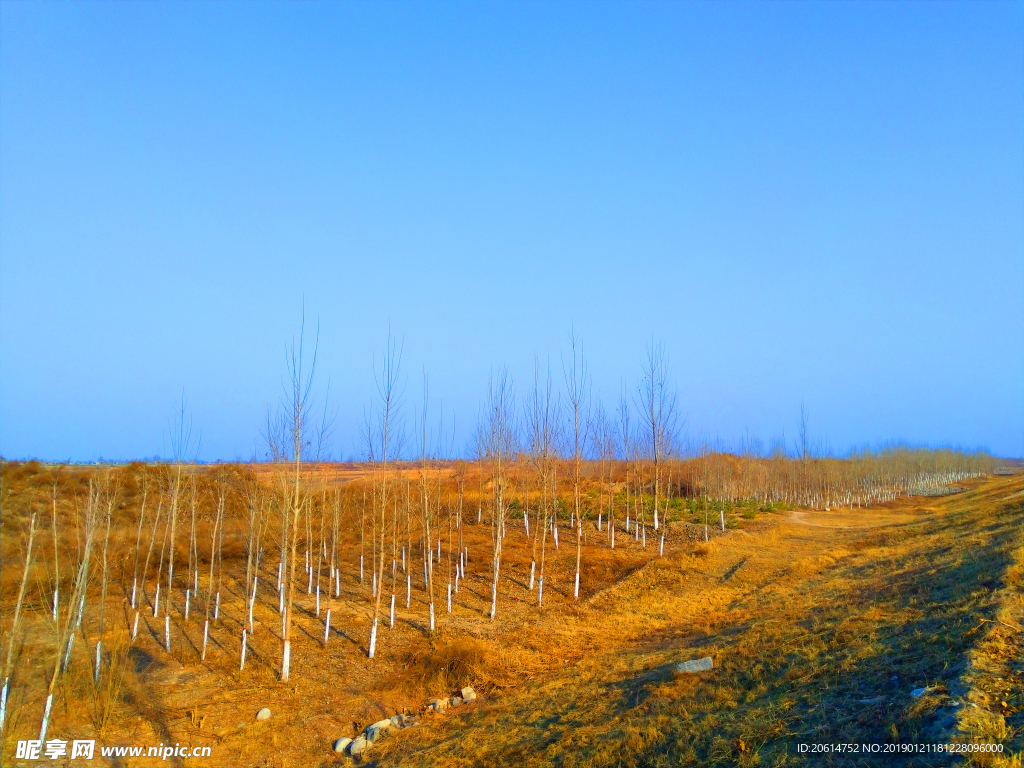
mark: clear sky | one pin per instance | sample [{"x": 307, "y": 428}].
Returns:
[{"x": 802, "y": 201}]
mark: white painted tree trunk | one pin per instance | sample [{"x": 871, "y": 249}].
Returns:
[
  {"x": 318, "y": 601},
  {"x": 134, "y": 584},
  {"x": 533, "y": 568},
  {"x": 252, "y": 600},
  {"x": 286, "y": 666},
  {"x": 661, "y": 547},
  {"x": 456, "y": 579},
  {"x": 337, "y": 584},
  {"x": 56, "y": 600},
  {"x": 403, "y": 559},
  {"x": 408, "y": 589},
  {"x": 424, "y": 574},
  {"x": 431, "y": 615},
  {"x": 655, "y": 519},
  {"x": 494, "y": 599},
  {"x": 576, "y": 591},
  {"x": 96, "y": 668},
  {"x": 449, "y": 597},
  {"x": 373, "y": 639},
  {"x": 242, "y": 665},
  {"x": 3, "y": 702},
  {"x": 360, "y": 569},
  {"x": 216, "y": 608},
  {"x": 309, "y": 583},
  {"x": 613, "y": 537},
  {"x": 722, "y": 513},
  {"x": 156, "y": 601},
  {"x": 135, "y": 625},
  {"x": 167, "y": 632},
  {"x": 327, "y": 626},
  {"x": 46, "y": 719},
  {"x": 187, "y": 603},
  {"x": 540, "y": 592},
  {"x": 599, "y": 520},
  {"x": 67, "y": 653},
  {"x": 280, "y": 602},
  {"x": 206, "y": 635},
  {"x": 392, "y": 624},
  {"x": 644, "y": 536}
]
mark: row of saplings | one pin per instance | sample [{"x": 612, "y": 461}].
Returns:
[{"x": 357, "y": 746}]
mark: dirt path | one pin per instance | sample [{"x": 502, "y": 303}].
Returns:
[{"x": 874, "y": 518}]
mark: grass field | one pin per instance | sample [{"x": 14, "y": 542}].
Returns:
[{"x": 819, "y": 624}]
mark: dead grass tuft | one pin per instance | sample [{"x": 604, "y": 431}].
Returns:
[{"x": 446, "y": 666}]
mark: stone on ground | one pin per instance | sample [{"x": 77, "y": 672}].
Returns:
[
  {"x": 695, "y": 665},
  {"x": 358, "y": 746},
  {"x": 263, "y": 714},
  {"x": 341, "y": 744},
  {"x": 468, "y": 694}
]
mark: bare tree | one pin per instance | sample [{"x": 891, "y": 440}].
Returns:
[
  {"x": 181, "y": 443},
  {"x": 389, "y": 402},
  {"x": 657, "y": 406},
  {"x": 298, "y": 391},
  {"x": 73, "y": 618},
  {"x": 498, "y": 447},
  {"x": 541, "y": 420},
  {"x": 144, "y": 479},
  {"x": 577, "y": 387},
  {"x": 12, "y": 635}
]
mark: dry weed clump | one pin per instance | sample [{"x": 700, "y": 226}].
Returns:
[{"x": 447, "y": 665}]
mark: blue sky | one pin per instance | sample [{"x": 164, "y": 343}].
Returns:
[{"x": 802, "y": 201}]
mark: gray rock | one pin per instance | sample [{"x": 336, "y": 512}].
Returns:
[
  {"x": 375, "y": 731},
  {"x": 917, "y": 693},
  {"x": 439, "y": 705},
  {"x": 358, "y": 746},
  {"x": 695, "y": 665},
  {"x": 340, "y": 745},
  {"x": 468, "y": 694},
  {"x": 455, "y": 701},
  {"x": 263, "y": 714},
  {"x": 875, "y": 700},
  {"x": 398, "y": 721}
]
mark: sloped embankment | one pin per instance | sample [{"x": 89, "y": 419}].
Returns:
[{"x": 820, "y": 635}]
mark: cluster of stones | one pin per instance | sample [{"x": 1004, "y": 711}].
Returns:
[
  {"x": 357, "y": 746},
  {"x": 465, "y": 696}
]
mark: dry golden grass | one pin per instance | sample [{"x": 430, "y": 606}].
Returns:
[{"x": 807, "y": 616}]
